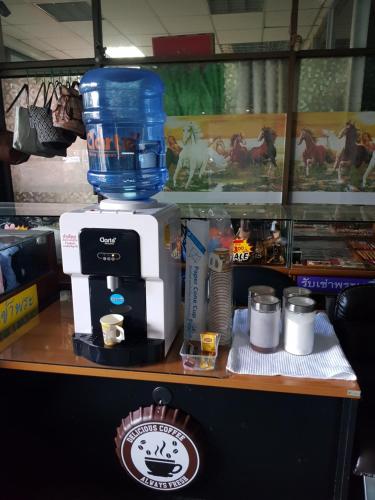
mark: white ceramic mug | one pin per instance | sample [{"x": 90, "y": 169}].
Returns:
[{"x": 113, "y": 333}]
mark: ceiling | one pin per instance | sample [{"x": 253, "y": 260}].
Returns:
[{"x": 31, "y": 31}]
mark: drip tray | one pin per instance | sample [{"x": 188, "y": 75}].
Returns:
[{"x": 126, "y": 353}]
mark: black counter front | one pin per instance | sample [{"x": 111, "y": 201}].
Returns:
[{"x": 261, "y": 437}]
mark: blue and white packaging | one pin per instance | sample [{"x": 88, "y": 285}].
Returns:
[{"x": 197, "y": 236}]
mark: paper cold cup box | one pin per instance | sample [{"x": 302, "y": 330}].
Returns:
[{"x": 196, "y": 278}]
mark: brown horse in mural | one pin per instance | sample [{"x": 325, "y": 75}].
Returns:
[
  {"x": 238, "y": 150},
  {"x": 258, "y": 155},
  {"x": 266, "y": 152},
  {"x": 352, "y": 154},
  {"x": 314, "y": 154}
]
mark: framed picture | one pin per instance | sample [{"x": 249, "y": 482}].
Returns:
[
  {"x": 232, "y": 158},
  {"x": 334, "y": 158}
]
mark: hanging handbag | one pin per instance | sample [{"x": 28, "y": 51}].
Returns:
[
  {"x": 41, "y": 120},
  {"x": 25, "y": 138},
  {"x": 67, "y": 114},
  {"x": 7, "y": 153}
]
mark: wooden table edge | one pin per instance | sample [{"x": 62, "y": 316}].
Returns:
[{"x": 280, "y": 384}]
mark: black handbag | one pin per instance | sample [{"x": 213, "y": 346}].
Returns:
[
  {"x": 25, "y": 137},
  {"x": 41, "y": 120}
]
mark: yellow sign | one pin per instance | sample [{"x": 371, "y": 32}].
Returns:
[
  {"x": 241, "y": 250},
  {"x": 17, "y": 308}
]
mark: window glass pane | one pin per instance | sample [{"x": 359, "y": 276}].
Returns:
[
  {"x": 52, "y": 180},
  {"x": 47, "y": 30},
  {"x": 332, "y": 24},
  {"x": 224, "y": 88},
  {"x": 236, "y": 112},
  {"x": 323, "y": 84},
  {"x": 335, "y": 131},
  {"x": 135, "y": 28}
]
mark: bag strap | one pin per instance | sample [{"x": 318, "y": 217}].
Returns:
[
  {"x": 24, "y": 87},
  {"x": 42, "y": 86},
  {"x": 54, "y": 93},
  {"x": 50, "y": 85}
]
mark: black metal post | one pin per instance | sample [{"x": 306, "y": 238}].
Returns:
[
  {"x": 6, "y": 185},
  {"x": 98, "y": 32},
  {"x": 288, "y": 156}
]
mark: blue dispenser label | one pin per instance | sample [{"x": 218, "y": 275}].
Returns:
[{"x": 117, "y": 299}]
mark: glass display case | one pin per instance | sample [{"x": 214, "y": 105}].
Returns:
[
  {"x": 337, "y": 244},
  {"x": 324, "y": 247},
  {"x": 340, "y": 238},
  {"x": 24, "y": 257},
  {"x": 301, "y": 239},
  {"x": 36, "y": 216},
  {"x": 259, "y": 234},
  {"x": 28, "y": 277}
]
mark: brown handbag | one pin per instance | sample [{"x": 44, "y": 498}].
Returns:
[
  {"x": 67, "y": 114},
  {"x": 7, "y": 153}
]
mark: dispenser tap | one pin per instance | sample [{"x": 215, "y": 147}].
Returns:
[{"x": 112, "y": 283}]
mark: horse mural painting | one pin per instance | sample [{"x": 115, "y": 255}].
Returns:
[
  {"x": 314, "y": 154},
  {"x": 352, "y": 154},
  {"x": 194, "y": 154}
]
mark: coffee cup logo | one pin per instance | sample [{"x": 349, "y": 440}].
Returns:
[
  {"x": 158, "y": 454},
  {"x": 162, "y": 468}
]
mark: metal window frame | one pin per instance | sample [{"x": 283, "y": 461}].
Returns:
[{"x": 28, "y": 68}]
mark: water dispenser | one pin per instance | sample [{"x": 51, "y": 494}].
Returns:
[{"x": 123, "y": 254}]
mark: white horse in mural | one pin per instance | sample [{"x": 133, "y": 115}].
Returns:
[{"x": 194, "y": 155}]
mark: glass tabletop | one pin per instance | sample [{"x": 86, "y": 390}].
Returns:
[
  {"x": 48, "y": 339},
  {"x": 302, "y": 212}
]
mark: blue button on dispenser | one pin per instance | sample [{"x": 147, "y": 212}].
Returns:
[{"x": 117, "y": 299}]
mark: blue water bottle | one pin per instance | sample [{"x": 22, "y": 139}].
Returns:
[{"x": 124, "y": 120}]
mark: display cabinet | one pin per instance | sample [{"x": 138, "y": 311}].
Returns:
[
  {"x": 302, "y": 240},
  {"x": 28, "y": 277},
  {"x": 342, "y": 238},
  {"x": 24, "y": 257},
  {"x": 324, "y": 247},
  {"x": 314, "y": 237},
  {"x": 259, "y": 234}
]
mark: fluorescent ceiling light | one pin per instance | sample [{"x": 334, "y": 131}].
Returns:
[{"x": 130, "y": 51}]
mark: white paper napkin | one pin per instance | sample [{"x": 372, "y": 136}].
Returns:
[{"x": 326, "y": 362}]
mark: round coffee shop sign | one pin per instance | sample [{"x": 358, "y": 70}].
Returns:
[{"x": 156, "y": 446}]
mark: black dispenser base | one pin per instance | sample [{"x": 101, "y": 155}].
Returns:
[{"x": 126, "y": 353}]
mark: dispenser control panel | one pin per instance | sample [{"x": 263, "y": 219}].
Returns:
[
  {"x": 114, "y": 252},
  {"x": 108, "y": 256}
]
